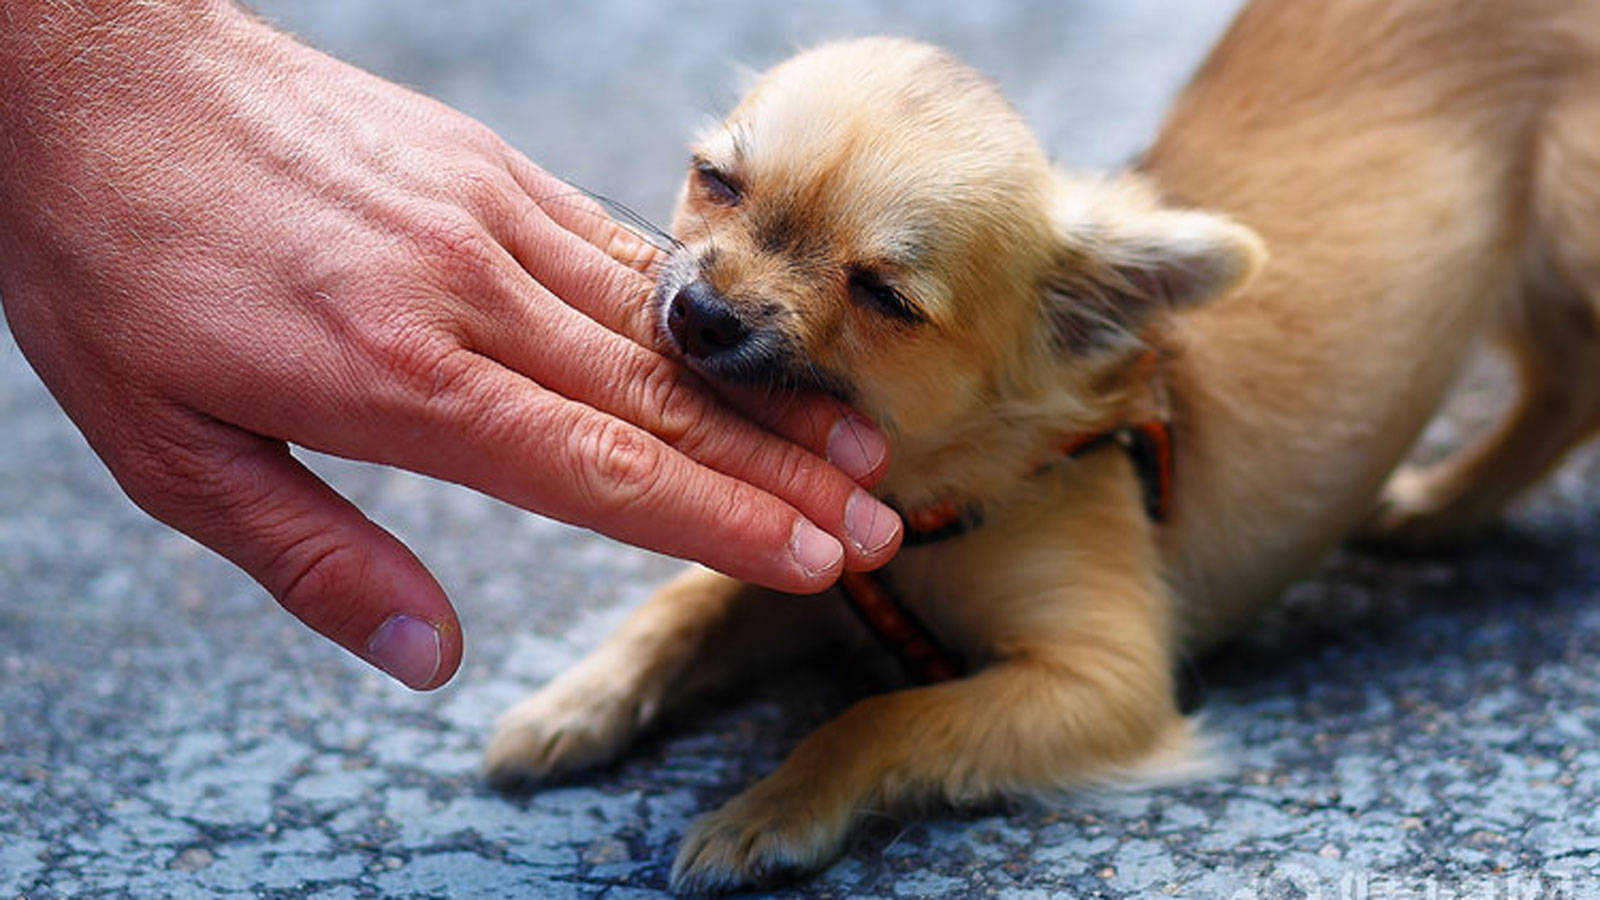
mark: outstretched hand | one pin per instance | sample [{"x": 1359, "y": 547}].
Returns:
[{"x": 216, "y": 242}]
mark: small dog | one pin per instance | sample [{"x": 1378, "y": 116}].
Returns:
[{"x": 1137, "y": 405}]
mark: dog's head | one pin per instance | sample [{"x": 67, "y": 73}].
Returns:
[{"x": 874, "y": 220}]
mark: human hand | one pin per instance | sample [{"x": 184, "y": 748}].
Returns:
[{"x": 215, "y": 242}]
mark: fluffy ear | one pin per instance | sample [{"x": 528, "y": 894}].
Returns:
[{"x": 1123, "y": 258}]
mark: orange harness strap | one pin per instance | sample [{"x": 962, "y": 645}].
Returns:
[{"x": 1149, "y": 447}]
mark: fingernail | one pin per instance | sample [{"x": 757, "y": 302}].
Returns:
[
  {"x": 408, "y": 649},
  {"x": 871, "y": 524},
  {"x": 856, "y": 447},
  {"x": 814, "y": 549}
]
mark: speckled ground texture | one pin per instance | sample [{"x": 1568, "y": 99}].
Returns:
[{"x": 1420, "y": 727}]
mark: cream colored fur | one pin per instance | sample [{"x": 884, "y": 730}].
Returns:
[{"x": 1347, "y": 196}]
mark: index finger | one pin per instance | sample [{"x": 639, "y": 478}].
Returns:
[{"x": 500, "y": 433}]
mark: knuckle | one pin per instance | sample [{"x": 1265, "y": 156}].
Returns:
[
  {"x": 431, "y": 370},
  {"x": 424, "y": 363},
  {"x": 641, "y": 317},
  {"x": 678, "y": 410},
  {"x": 446, "y": 377},
  {"x": 794, "y": 471},
  {"x": 481, "y": 138},
  {"x": 307, "y": 572},
  {"x": 481, "y": 188},
  {"x": 168, "y": 473},
  {"x": 456, "y": 245},
  {"x": 198, "y": 485},
  {"x": 746, "y": 513},
  {"x": 532, "y": 180},
  {"x": 618, "y": 467}
]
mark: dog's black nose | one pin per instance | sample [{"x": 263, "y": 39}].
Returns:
[{"x": 702, "y": 322}]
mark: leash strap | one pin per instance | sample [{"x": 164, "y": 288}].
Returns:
[
  {"x": 1149, "y": 447},
  {"x": 900, "y": 632}
]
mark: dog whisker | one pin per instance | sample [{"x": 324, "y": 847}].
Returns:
[{"x": 623, "y": 216}]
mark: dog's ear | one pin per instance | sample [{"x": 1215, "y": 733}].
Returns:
[{"x": 1123, "y": 258}]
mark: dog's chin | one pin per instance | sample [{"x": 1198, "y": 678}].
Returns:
[
  {"x": 768, "y": 366},
  {"x": 769, "y": 369}
]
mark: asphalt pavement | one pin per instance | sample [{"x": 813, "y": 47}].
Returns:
[{"x": 1416, "y": 727}]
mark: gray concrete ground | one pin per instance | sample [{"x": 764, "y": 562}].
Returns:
[{"x": 1407, "y": 726}]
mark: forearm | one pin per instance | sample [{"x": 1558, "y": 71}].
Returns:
[
  {"x": 72, "y": 74},
  {"x": 53, "y": 51}
]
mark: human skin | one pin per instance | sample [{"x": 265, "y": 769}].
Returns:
[{"x": 216, "y": 242}]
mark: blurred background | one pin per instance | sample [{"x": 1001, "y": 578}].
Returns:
[
  {"x": 607, "y": 95},
  {"x": 166, "y": 731}
]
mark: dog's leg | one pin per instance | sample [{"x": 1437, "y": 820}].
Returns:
[
  {"x": 1555, "y": 410},
  {"x": 1552, "y": 331},
  {"x": 697, "y": 632},
  {"x": 1083, "y": 696}
]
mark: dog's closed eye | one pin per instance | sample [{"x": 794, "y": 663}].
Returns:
[
  {"x": 874, "y": 291},
  {"x": 716, "y": 185}
]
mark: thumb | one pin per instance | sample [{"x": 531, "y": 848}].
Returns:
[{"x": 247, "y": 498}]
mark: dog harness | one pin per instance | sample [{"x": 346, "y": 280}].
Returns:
[{"x": 1148, "y": 444}]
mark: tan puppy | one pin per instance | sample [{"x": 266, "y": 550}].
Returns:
[{"x": 874, "y": 220}]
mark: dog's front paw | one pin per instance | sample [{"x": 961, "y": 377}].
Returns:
[
  {"x": 565, "y": 728},
  {"x": 759, "y": 837}
]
